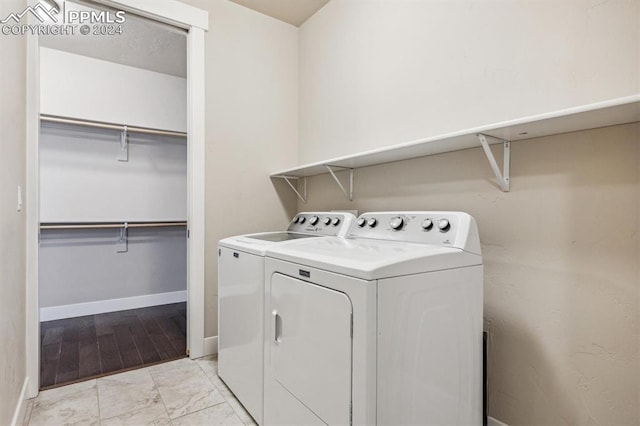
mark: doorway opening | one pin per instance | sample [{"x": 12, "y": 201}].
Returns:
[
  {"x": 115, "y": 170},
  {"x": 113, "y": 197}
]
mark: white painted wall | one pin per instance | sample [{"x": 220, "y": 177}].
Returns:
[
  {"x": 252, "y": 127},
  {"x": 81, "y": 179},
  {"x": 12, "y": 222},
  {"x": 82, "y": 266},
  {"x": 561, "y": 283},
  {"x": 562, "y": 292},
  {"x": 110, "y": 92},
  {"x": 379, "y": 72}
]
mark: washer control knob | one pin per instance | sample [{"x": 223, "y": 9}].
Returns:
[
  {"x": 296, "y": 220},
  {"x": 314, "y": 220},
  {"x": 362, "y": 222},
  {"x": 396, "y": 223},
  {"x": 427, "y": 224},
  {"x": 335, "y": 221},
  {"x": 444, "y": 225},
  {"x": 372, "y": 222},
  {"x": 302, "y": 220},
  {"x": 326, "y": 220}
]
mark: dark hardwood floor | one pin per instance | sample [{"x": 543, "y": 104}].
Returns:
[{"x": 74, "y": 349}]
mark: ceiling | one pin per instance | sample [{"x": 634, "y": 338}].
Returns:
[
  {"x": 294, "y": 12},
  {"x": 158, "y": 47},
  {"x": 143, "y": 44}
]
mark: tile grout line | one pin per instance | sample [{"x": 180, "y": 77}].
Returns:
[
  {"x": 98, "y": 397},
  {"x": 164, "y": 404},
  {"x": 210, "y": 406},
  {"x": 222, "y": 394}
]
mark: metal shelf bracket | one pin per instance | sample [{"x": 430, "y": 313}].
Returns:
[
  {"x": 501, "y": 177},
  {"x": 123, "y": 154},
  {"x": 349, "y": 194},
  {"x": 123, "y": 243},
  {"x": 288, "y": 179}
]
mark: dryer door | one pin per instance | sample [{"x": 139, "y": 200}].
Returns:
[{"x": 310, "y": 345}]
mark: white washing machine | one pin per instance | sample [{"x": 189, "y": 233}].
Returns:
[
  {"x": 383, "y": 327},
  {"x": 241, "y": 300}
]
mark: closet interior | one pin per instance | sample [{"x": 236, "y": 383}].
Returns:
[{"x": 113, "y": 200}]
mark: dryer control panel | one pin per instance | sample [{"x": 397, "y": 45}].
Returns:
[
  {"x": 448, "y": 229},
  {"x": 335, "y": 224}
]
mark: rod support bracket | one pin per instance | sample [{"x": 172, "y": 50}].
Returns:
[
  {"x": 501, "y": 176},
  {"x": 288, "y": 179},
  {"x": 123, "y": 239},
  {"x": 348, "y": 194},
  {"x": 123, "y": 154}
]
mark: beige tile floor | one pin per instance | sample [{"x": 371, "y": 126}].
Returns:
[{"x": 182, "y": 392}]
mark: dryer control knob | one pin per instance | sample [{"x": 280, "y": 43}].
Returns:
[
  {"x": 302, "y": 219},
  {"x": 427, "y": 224},
  {"x": 314, "y": 220},
  {"x": 444, "y": 225},
  {"x": 296, "y": 219},
  {"x": 362, "y": 222},
  {"x": 335, "y": 221},
  {"x": 326, "y": 220},
  {"x": 372, "y": 222},
  {"x": 396, "y": 223}
]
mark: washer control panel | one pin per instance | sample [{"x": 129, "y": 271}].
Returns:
[
  {"x": 322, "y": 223},
  {"x": 453, "y": 229}
]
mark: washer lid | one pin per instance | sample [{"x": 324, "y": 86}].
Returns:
[
  {"x": 372, "y": 259},
  {"x": 259, "y": 243}
]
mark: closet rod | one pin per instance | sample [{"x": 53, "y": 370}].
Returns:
[
  {"x": 111, "y": 126},
  {"x": 114, "y": 225}
]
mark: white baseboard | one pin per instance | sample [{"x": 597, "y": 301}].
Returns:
[
  {"x": 493, "y": 422},
  {"x": 21, "y": 407},
  {"x": 111, "y": 305},
  {"x": 210, "y": 345}
]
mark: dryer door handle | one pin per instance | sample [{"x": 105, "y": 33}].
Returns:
[{"x": 277, "y": 326}]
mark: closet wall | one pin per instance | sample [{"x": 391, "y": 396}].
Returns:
[
  {"x": 82, "y": 87},
  {"x": 88, "y": 176}
]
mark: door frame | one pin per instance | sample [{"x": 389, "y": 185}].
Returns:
[{"x": 196, "y": 22}]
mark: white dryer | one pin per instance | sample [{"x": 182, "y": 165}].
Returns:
[
  {"x": 383, "y": 327},
  {"x": 241, "y": 300}
]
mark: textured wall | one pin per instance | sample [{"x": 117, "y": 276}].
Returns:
[
  {"x": 251, "y": 130},
  {"x": 381, "y": 72},
  {"x": 561, "y": 266},
  {"x": 12, "y": 223},
  {"x": 561, "y": 249}
]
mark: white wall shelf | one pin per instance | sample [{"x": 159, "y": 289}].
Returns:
[{"x": 601, "y": 114}]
